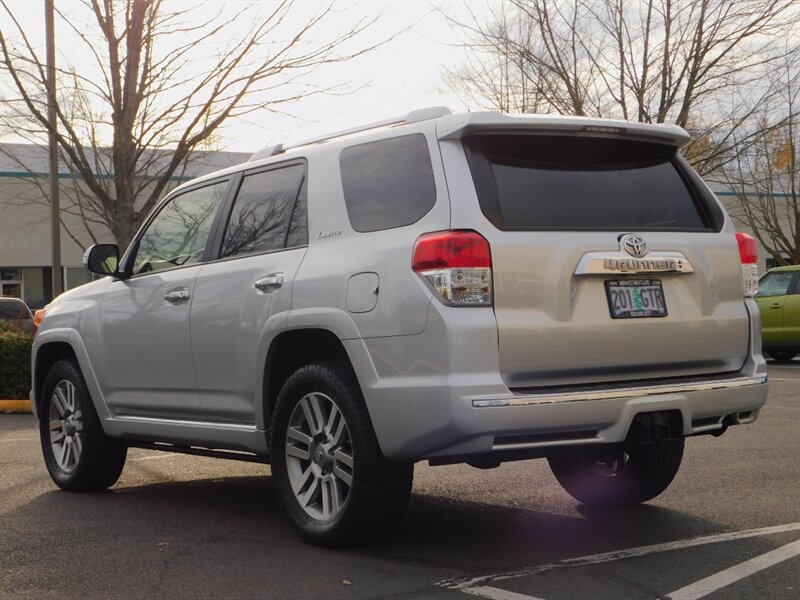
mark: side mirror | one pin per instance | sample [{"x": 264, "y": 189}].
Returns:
[{"x": 102, "y": 259}]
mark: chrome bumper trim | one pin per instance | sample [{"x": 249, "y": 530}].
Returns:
[{"x": 633, "y": 392}]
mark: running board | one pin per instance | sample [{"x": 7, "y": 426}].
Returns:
[{"x": 227, "y": 454}]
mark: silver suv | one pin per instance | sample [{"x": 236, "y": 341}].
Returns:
[{"x": 472, "y": 288}]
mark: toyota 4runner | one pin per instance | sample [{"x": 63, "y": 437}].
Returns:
[{"x": 456, "y": 288}]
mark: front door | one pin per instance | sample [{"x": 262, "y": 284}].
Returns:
[
  {"x": 773, "y": 290},
  {"x": 144, "y": 323}
]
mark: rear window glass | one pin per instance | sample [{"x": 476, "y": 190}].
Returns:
[
  {"x": 265, "y": 213},
  {"x": 388, "y": 183},
  {"x": 527, "y": 182}
]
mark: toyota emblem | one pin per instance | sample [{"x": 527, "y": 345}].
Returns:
[{"x": 633, "y": 244}]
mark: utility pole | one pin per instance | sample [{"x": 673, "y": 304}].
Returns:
[{"x": 55, "y": 212}]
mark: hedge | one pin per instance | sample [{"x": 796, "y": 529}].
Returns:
[{"x": 15, "y": 363}]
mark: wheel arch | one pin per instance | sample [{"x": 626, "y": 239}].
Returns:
[
  {"x": 292, "y": 349},
  {"x": 46, "y": 356},
  {"x": 56, "y": 344}
]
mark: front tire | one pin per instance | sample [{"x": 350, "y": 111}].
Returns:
[
  {"x": 619, "y": 477},
  {"x": 330, "y": 475},
  {"x": 78, "y": 454}
]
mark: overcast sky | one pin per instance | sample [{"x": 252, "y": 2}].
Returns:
[{"x": 402, "y": 75}]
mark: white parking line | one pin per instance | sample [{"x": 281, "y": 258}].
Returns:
[
  {"x": 493, "y": 593},
  {"x": 468, "y": 585},
  {"x": 728, "y": 576},
  {"x": 25, "y": 439}
]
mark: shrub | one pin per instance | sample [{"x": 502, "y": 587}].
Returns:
[{"x": 15, "y": 362}]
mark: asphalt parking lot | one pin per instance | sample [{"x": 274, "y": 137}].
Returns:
[{"x": 188, "y": 527}]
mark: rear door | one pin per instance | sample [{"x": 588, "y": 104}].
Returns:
[
  {"x": 242, "y": 297},
  {"x": 791, "y": 313},
  {"x": 607, "y": 262}
]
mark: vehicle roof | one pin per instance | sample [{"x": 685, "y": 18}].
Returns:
[
  {"x": 446, "y": 126},
  {"x": 784, "y": 268}
]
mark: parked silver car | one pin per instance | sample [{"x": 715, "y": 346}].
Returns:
[
  {"x": 446, "y": 287},
  {"x": 15, "y": 313}
]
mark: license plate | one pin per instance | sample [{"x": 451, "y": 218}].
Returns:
[{"x": 635, "y": 298}]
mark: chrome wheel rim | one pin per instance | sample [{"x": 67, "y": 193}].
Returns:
[
  {"x": 65, "y": 426},
  {"x": 319, "y": 457}
]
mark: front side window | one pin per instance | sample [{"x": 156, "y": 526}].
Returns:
[
  {"x": 775, "y": 284},
  {"x": 388, "y": 183},
  {"x": 178, "y": 235},
  {"x": 265, "y": 216}
]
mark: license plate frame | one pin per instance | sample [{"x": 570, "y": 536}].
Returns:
[{"x": 638, "y": 301}]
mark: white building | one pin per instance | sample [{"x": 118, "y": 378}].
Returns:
[
  {"x": 25, "y": 253},
  {"x": 25, "y": 221}
]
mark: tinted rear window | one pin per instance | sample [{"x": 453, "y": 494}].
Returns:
[
  {"x": 261, "y": 219},
  {"x": 528, "y": 182},
  {"x": 388, "y": 183}
]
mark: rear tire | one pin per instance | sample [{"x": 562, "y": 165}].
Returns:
[
  {"x": 619, "y": 477},
  {"x": 78, "y": 454},
  {"x": 783, "y": 356},
  {"x": 329, "y": 473}
]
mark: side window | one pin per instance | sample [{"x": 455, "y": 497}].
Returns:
[
  {"x": 775, "y": 284},
  {"x": 388, "y": 183},
  {"x": 267, "y": 211},
  {"x": 178, "y": 234}
]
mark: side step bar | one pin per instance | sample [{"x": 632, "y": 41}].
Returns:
[{"x": 228, "y": 454}]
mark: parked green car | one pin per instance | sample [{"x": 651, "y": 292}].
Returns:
[{"x": 778, "y": 301}]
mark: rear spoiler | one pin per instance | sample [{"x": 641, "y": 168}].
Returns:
[{"x": 454, "y": 127}]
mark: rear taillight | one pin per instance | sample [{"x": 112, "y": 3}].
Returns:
[
  {"x": 748, "y": 252},
  {"x": 457, "y": 265}
]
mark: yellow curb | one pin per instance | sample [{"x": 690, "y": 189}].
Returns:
[{"x": 15, "y": 406}]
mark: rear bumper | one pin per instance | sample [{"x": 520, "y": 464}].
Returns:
[{"x": 439, "y": 396}]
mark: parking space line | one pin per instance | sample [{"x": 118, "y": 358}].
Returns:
[
  {"x": 593, "y": 559},
  {"x": 728, "y": 576},
  {"x": 493, "y": 593},
  {"x": 24, "y": 439}
]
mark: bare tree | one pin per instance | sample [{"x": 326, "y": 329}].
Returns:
[
  {"x": 697, "y": 63},
  {"x": 128, "y": 124},
  {"x": 766, "y": 177}
]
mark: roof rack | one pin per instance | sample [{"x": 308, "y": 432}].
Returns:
[{"x": 415, "y": 116}]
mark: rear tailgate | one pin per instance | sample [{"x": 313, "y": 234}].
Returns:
[{"x": 574, "y": 303}]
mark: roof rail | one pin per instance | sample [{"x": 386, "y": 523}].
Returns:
[
  {"x": 415, "y": 116},
  {"x": 267, "y": 152}
]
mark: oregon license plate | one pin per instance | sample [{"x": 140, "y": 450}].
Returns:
[{"x": 635, "y": 298}]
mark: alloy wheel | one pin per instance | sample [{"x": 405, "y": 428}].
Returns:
[
  {"x": 319, "y": 456},
  {"x": 65, "y": 426}
]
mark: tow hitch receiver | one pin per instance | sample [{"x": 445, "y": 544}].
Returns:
[{"x": 658, "y": 426}]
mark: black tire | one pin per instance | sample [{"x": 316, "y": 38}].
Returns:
[
  {"x": 99, "y": 460},
  {"x": 379, "y": 489},
  {"x": 619, "y": 478},
  {"x": 783, "y": 356}
]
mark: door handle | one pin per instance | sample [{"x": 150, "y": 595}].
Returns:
[
  {"x": 776, "y": 305},
  {"x": 177, "y": 295},
  {"x": 269, "y": 283}
]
